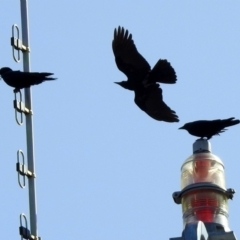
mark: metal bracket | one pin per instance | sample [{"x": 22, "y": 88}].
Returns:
[
  {"x": 22, "y": 170},
  {"x": 20, "y": 107},
  {"x": 204, "y": 231},
  {"x": 17, "y": 44},
  {"x": 177, "y": 196},
  {"x": 24, "y": 231}
]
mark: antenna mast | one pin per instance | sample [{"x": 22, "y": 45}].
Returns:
[{"x": 26, "y": 109}]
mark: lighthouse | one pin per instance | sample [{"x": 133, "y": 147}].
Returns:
[{"x": 204, "y": 196}]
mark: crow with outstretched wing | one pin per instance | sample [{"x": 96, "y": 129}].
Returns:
[{"x": 141, "y": 78}]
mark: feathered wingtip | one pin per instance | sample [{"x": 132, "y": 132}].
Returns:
[
  {"x": 46, "y": 74},
  {"x": 231, "y": 121}
]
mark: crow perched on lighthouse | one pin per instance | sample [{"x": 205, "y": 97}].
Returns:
[{"x": 207, "y": 129}]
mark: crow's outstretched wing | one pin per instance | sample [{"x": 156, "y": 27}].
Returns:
[
  {"x": 162, "y": 72},
  {"x": 127, "y": 58},
  {"x": 150, "y": 100}
]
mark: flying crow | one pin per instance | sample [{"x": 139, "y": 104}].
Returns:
[
  {"x": 18, "y": 79},
  {"x": 141, "y": 78},
  {"x": 207, "y": 129}
]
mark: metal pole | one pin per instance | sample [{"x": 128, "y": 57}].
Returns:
[{"x": 29, "y": 123}]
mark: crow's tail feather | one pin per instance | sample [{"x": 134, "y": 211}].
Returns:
[{"x": 230, "y": 122}]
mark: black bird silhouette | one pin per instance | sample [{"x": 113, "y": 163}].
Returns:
[
  {"x": 18, "y": 79},
  {"x": 141, "y": 79},
  {"x": 207, "y": 129}
]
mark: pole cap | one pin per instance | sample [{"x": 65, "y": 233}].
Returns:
[{"x": 202, "y": 145}]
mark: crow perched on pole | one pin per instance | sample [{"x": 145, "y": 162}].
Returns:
[
  {"x": 141, "y": 78},
  {"x": 207, "y": 129},
  {"x": 18, "y": 79}
]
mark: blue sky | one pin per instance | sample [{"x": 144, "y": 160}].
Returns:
[{"x": 105, "y": 170}]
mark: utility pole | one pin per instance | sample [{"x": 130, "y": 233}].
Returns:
[
  {"x": 26, "y": 109},
  {"x": 204, "y": 196}
]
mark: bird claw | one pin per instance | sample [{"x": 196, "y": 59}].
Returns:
[{"x": 16, "y": 90}]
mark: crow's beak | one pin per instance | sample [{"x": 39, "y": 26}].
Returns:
[
  {"x": 117, "y": 83},
  {"x": 182, "y": 127}
]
